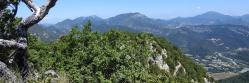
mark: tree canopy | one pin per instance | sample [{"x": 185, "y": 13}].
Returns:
[{"x": 114, "y": 56}]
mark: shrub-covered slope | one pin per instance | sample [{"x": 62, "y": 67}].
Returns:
[{"x": 92, "y": 57}]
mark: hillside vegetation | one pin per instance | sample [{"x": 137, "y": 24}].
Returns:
[
  {"x": 114, "y": 56},
  {"x": 216, "y": 40}
]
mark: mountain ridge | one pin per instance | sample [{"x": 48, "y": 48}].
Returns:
[
  {"x": 195, "y": 35},
  {"x": 209, "y": 13}
]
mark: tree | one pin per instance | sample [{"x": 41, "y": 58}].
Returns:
[
  {"x": 14, "y": 31},
  {"x": 87, "y": 27}
]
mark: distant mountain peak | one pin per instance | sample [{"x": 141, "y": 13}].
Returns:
[
  {"x": 93, "y": 17},
  {"x": 246, "y": 15},
  {"x": 133, "y": 15},
  {"x": 212, "y": 13},
  {"x": 137, "y": 13},
  {"x": 64, "y": 21},
  {"x": 67, "y": 20}
]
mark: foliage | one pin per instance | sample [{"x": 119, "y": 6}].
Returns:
[
  {"x": 7, "y": 31},
  {"x": 7, "y": 24},
  {"x": 113, "y": 56}
]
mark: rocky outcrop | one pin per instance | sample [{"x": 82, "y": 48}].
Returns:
[
  {"x": 158, "y": 60},
  {"x": 6, "y": 74},
  {"x": 206, "y": 80},
  {"x": 52, "y": 76},
  {"x": 177, "y": 69}
]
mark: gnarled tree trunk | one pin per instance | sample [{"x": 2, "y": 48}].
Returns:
[{"x": 20, "y": 43}]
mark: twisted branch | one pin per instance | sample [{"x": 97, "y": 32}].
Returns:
[
  {"x": 20, "y": 42},
  {"x": 11, "y": 44},
  {"x": 38, "y": 12}
]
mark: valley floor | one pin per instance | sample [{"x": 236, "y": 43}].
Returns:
[{"x": 223, "y": 75}]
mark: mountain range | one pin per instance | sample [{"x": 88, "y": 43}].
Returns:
[{"x": 217, "y": 41}]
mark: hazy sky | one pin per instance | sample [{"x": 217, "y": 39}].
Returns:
[{"x": 163, "y": 9}]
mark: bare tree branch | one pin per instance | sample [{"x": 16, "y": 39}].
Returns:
[
  {"x": 12, "y": 56},
  {"x": 38, "y": 12},
  {"x": 22, "y": 30},
  {"x": 11, "y": 44},
  {"x": 30, "y": 4}
]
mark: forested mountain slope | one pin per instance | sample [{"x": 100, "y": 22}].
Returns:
[
  {"x": 113, "y": 56},
  {"x": 220, "y": 47},
  {"x": 215, "y": 40}
]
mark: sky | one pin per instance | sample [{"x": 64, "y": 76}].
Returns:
[{"x": 159, "y": 9}]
